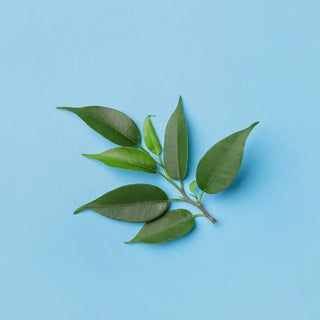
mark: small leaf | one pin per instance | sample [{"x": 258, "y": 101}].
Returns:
[
  {"x": 110, "y": 123},
  {"x": 171, "y": 225},
  {"x": 131, "y": 203},
  {"x": 220, "y": 165},
  {"x": 176, "y": 144},
  {"x": 192, "y": 186},
  {"x": 126, "y": 158},
  {"x": 150, "y": 137}
]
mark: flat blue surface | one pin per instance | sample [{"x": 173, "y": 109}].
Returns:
[{"x": 234, "y": 62}]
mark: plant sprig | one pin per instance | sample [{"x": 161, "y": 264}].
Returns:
[{"x": 147, "y": 203}]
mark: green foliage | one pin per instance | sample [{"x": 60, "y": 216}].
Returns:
[
  {"x": 132, "y": 203},
  {"x": 171, "y": 225},
  {"x": 176, "y": 144},
  {"x": 147, "y": 203},
  {"x": 220, "y": 165},
  {"x": 192, "y": 186},
  {"x": 126, "y": 158},
  {"x": 110, "y": 123},
  {"x": 150, "y": 137}
]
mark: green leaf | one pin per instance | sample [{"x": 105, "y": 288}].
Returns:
[
  {"x": 150, "y": 137},
  {"x": 126, "y": 158},
  {"x": 192, "y": 186},
  {"x": 131, "y": 203},
  {"x": 110, "y": 123},
  {"x": 171, "y": 225},
  {"x": 220, "y": 165},
  {"x": 176, "y": 144}
]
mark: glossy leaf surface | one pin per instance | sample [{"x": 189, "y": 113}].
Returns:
[
  {"x": 176, "y": 144},
  {"x": 171, "y": 225},
  {"x": 131, "y": 203},
  {"x": 150, "y": 137},
  {"x": 126, "y": 158},
  {"x": 112, "y": 124},
  {"x": 220, "y": 165}
]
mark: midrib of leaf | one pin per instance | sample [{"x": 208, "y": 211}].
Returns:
[
  {"x": 110, "y": 125},
  {"x": 128, "y": 162},
  {"x": 125, "y": 204},
  {"x": 154, "y": 140},
  {"x": 177, "y": 150}
]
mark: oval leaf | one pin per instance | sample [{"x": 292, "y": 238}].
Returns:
[
  {"x": 171, "y": 225},
  {"x": 110, "y": 123},
  {"x": 126, "y": 158},
  {"x": 131, "y": 203},
  {"x": 150, "y": 137},
  {"x": 192, "y": 186},
  {"x": 176, "y": 144},
  {"x": 220, "y": 165}
]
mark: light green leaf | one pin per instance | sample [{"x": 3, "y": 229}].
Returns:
[
  {"x": 150, "y": 137},
  {"x": 176, "y": 144},
  {"x": 192, "y": 186},
  {"x": 220, "y": 165},
  {"x": 131, "y": 203},
  {"x": 126, "y": 158},
  {"x": 171, "y": 225},
  {"x": 110, "y": 123}
]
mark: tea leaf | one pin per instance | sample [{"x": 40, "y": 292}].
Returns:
[
  {"x": 171, "y": 225},
  {"x": 110, "y": 123},
  {"x": 220, "y": 165},
  {"x": 192, "y": 186},
  {"x": 131, "y": 203},
  {"x": 150, "y": 137},
  {"x": 126, "y": 158},
  {"x": 176, "y": 144}
]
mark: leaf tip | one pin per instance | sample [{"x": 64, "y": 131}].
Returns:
[
  {"x": 64, "y": 108},
  {"x": 255, "y": 124},
  {"x": 87, "y": 155},
  {"x": 80, "y": 209}
]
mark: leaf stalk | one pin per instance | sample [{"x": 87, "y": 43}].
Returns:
[
  {"x": 198, "y": 205},
  {"x": 181, "y": 189}
]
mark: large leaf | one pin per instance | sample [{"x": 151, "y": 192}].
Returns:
[
  {"x": 171, "y": 225},
  {"x": 150, "y": 137},
  {"x": 220, "y": 165},
  {"x": 110, "y": 123},
  {"x": 126, "y": 158},
  {"x": 176, "y": 144},
  {"x": 132, "y": 203}
]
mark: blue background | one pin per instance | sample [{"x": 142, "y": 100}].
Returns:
[{"x": 234, "y": 62}]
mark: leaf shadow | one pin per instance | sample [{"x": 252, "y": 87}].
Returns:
[{"x": 241, "y": 179}]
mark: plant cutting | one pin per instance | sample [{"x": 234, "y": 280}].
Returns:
[{"x": 147, "y": 203}]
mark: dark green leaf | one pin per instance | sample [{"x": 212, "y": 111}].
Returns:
[
  {"x": 110, "y": 123},
  {"x": 131, "y": 203},
  {"x": 176, "y": 144},
  {"x": 171, "y": 225},
  {"x": 192, "y": 186},
  {"x": 220, "y": 165},
  {"x": 150, "y": 137},
  {"x": 126, "y": 158}
]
